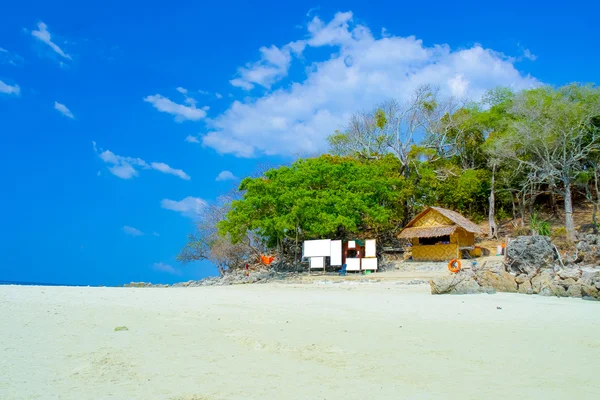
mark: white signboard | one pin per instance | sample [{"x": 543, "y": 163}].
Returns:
[
  {"x": 317, "y": 262},
  {"x": 316, "y": 248},
  {"x": 352, "y": 264},
  {"x": 369, "y": 264},
  {"x": 370, "y": 248},
  {"x": 336, "y": 253}
]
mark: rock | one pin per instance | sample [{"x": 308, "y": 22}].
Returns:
[
  {"x": 525, "y": 287},
  {"x": 567, "y": 282},
  {"x": 502, "y": 281},
  {"x": 530, "y": 253},
  {"x": 573, "y": 273},
  {"x": 590, "y": 273},
  {"x": 460, "y": 283},
  {"x": 584, "y": 247},
  {"x": 590, "y": 238},
  {"x": 590, "y": 291},
  {"x": 542, "y": 281},
  {"x": 574, "y": 291},
  {"x": 522, "y": 278},
  {"x": 495, "y": 266},
  {"x": 554, "y": 289}
]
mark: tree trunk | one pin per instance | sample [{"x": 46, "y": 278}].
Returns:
[
  {"x": 492, "y": 213},
  {"x": 553, "y": 204},
  {"x": 594, "y": 220},
  {"x": 597, "y": 202},
  {"x": 521, "y": 203},
  {"x": 569, "y": 222},
  {"x": 532, "y": 198}
]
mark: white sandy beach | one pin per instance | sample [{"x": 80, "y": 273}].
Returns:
[{"x": 367, "y": 341}]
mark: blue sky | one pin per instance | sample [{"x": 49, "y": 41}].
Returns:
[{"x": 119, "y": 120}]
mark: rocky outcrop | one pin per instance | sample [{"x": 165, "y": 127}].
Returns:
[
  {"x": 461, "y": 283},
  {"x": 528, "y": 254},
  {"x": 495, "y": 276}
]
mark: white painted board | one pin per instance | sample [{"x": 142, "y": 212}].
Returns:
[
  {"x": 316, "y": 248},
  {"x": 352, "y": 264},
  {"x": 371, "y": 248},
  {"x": 317, "y": 262},
  {"x": 351, "y": 244},
  {"x": 336, "y": 253},
  {"x": 369, "y": 264}
]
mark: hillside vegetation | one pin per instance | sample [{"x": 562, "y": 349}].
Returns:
[{"x": 516, "y": 162}]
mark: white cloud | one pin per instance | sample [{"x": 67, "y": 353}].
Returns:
[
  {"x": 529, "y": 55},
  {"x": 43, "y": 35},
  {"x": 273, "y": 65},
  {"x": 6, "y": 57},
  {"x": 8, "y": 89},
  {"x": 192, "y": 139},
  {"x": 189, "y": 207},
  {"x": 61, "y": 108},
  {"x": 360, "y": 72},
  {"x": 181, "y": 90},
  {"x": 180, "y": 111},
  {"x": 162, "y": 267},
  {"x": 129, "y": 167},
  {"x": 132, "y": 231},
  {"x": 218, "y": 95},
  {"x": 311, "y": 10},
  {"x": 164, "y": 168},
  {"x": 226, "y": 176}
]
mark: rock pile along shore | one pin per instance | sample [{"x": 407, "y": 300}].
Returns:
[{"x": 532, "y": 266}]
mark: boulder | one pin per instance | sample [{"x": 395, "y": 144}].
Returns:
[
  {"x": 567, "y": 282},
  {"x": 584, "y": 247},
  {"x": 501, "y": 281},
  {"x": 542, "y": 281},
  {"x": 590, "y": 291},
  {"x": 460, "y": 283},
  {"x": 590, "y": 272},
  {"x": 574, "y": 291},
  {"x": 525, "y": 287},
  {"x": 591, "y": 239},
  {"x": 522, "y": 278},
  {"x": 530, "y": 253},
  {"x": 554, "y": 289},
  {"x": 566, "y": 273}
]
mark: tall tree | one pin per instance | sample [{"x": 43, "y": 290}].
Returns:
[{"x": 553, "y": 134}]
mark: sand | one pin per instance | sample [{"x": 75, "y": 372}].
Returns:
[{"x": 350, "y": 341}]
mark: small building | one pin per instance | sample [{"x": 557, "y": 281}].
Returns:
[{"x": 438, "y": 234}]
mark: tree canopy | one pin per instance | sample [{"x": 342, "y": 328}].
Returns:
[{"x": 501, "y": 157}]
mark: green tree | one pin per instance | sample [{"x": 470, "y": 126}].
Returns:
[{"x": 323, "y": 197}]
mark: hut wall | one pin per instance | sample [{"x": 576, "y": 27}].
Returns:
[
  {"x": 465, "y": 238},
  {"x": 436, "y": 252}
]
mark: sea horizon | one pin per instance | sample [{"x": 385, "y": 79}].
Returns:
[{"x": 23, "y": 283}]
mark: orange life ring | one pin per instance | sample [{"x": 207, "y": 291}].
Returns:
[
  {"x": 267, "y": 260},
  {"x": 454, "y": 266}
]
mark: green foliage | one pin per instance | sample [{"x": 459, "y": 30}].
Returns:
[
  {"x": 320, "y": 197},
  {"x": 538, "y": 226}
]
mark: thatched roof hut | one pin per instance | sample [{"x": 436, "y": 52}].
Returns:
[{"x": 439, "y": 234}]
